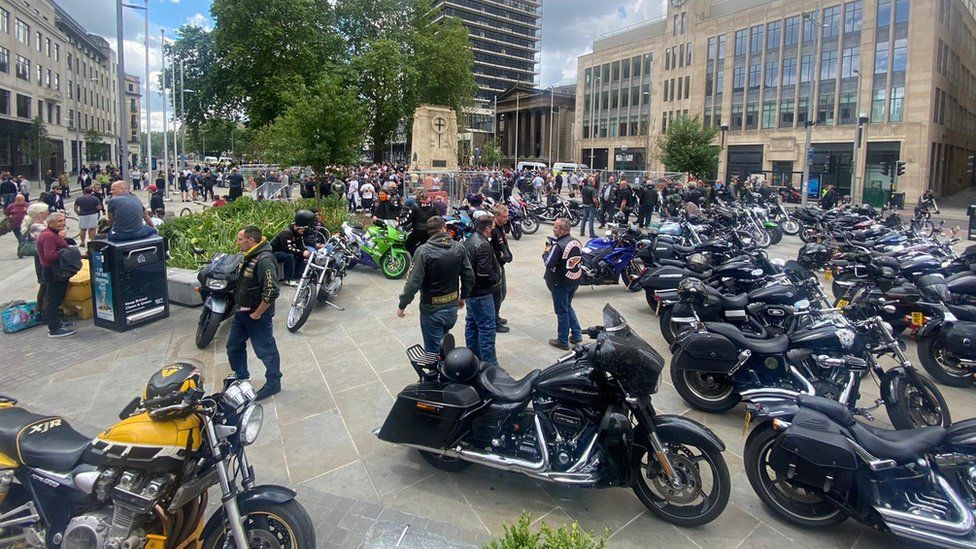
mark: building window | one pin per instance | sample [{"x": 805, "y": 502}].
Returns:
[
  {"x": 680, "y": 95},
  {"x": 772, "y": 35},
  {"x": 828, "y": 65},
  {"x": 665, "y": 96},
  {"x": 786, "y": 113},
  {"x": 752, "y": 115},
  {"x": 5, "y": 60},
  {"x": 806, "y": 67},
  {"x": 688, "y": 54},
  {"x": 802, "y": 111},
  {"x": 684, "y": 18},
  {"x": 709, "y": 84},
  {"x": 901, "y": 14},
  {"x": 681, "y": 56},
  {"x": 687, "y": 86},
  {"x": 717, "y": 117},
  {"x": 57, "y": 81},
  {"x": 772, "y": 73},
  {"x": 736, "y": 116},
  {"x": 47, "y": 78},
  {"x": 4, "y": 21},
  {"x": 756, "y": 39},
  {"x": 896, "y": 111},
  {"x": 625, "y": 64},
  {"x": 47, "y": 46},
  {"x": 850, "y": 62},
  {"x": 37, "y": 39},
  {"x": 789, "y": 71},
  {"x": 23, "y": 106},
  {"x": 791, "y": 31},
  {"x": 635, "y": 65},
  {"x": 740, "y": 42},
  {"x": 769, "y": 114},
  {"x": 878, "y": 105},
  {"x": 852, "y": 16},
  {"x": 738, "y": 78},
  {"x": 881, "y": 58},
  {"x": 71, "y": 120},
  {"x": 825, "y": 110},
  {"x": 4, "y": 102},
  {"x": 57, "y": 52},
  {"x": 719, "y": 82},
  {"x": 23, "y": 32},
  {"x": 809, "y": 28},
  {"x": 755, "y": 75},
  {"x": 899, "y": 57},
  {"x": 848, "y": 104},
  {"x": 40, "y": 75},
  {"x": 712, "y": 48},
  {"x": 831, "y": 21},
  {"x": 674, "y": 25},
  {"x": 884, "y": 13},
  {"x": 23, "y": 68},
  {"x": 707, "y": 118}
]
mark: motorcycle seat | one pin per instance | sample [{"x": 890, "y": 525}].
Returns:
[
  {"x": 764, "y": 346},
  {"x": 902, "y": 445},
  {"x": 737, "y": 301},
  {"x": 830, "y": 408},
  {"x": 43, "y": 442},
  {"x": 502, "y": 387}
]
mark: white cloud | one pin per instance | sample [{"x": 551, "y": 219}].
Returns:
[{"x": 200, "y": 20}]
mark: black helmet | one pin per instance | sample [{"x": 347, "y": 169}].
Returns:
[
  {"x": 304, "y": 218},
  {"x": 813, "y": 256},
  {"x": 460, "y": 365},
  {"x": 697, "y": 262},
  {"x": 170, "y": 385},
  {"x": 692, "y": 290}
]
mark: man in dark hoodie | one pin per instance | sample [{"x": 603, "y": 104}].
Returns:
[
  {"x": 479, "y": 326},
  {"x": 443, "y": 275}
]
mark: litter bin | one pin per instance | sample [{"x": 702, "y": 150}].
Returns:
[
  {"x": 897, "y": 201},
  {"x": 128, "y": 282},
  {"x": 971, "y": 212}
]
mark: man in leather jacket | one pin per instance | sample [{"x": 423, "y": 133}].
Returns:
[
  {"x": 289, "y": 248},
  {"x": 420, "y": 212},
  {"x": 499, "y": 242},
  {"x": 479, "y": 325},
  {"x": 255, "y": 296},
  {"x": 563, "y": 261},
  {"x": 443, "y": 275}
]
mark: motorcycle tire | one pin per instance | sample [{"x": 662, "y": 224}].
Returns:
[
  {"x": 574, "y": 218},
  {"x": 530, "y": 225},
  {"x": 926, "y": 228},
  {"x": 305, "y": 299},
  {"x": 207, "y": 328},
  {"x": 933, "y": 359},
  {"x": 775, "y": 235},
  {"x": 631, "y": 275},
  {"x": 706, "y": 392},
  {"x": 691, "y": 452},
  {"x": 836, "y": 288},
  {"x": 651, "y": 302},
  {"x": 517, "y": 231},
  {"x": 905, "y": 411},
  {"x": 395, "y": 263},
  {"x": 451, "y": 465},
  {"x": 288, "y": 524},
  {"x": 805, "y": 234},
  {"x": 775, "y": 493},
  {"x": 790, "y": 227},
  {"x": 670, "y": 330},
  {"x": 762, "y": 238}
]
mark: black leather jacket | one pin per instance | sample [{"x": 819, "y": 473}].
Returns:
[
  {"x": 487, "y": 272},
  {"x": 258, "y": 278}
]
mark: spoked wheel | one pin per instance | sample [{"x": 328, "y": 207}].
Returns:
[
  {"x": 941, "y": 364},
  {"x": 705, "y": 391},
  {"x": 793, "y": 504},
  {"x": 530, "y": 225},
  {"x": 395, "y": 263},
  {"x": 761, "y": 237},
  {"x": 517, "y": 231},
  {"x": 775, "y": 235},
  {"x": 926, "y": 228},
  {"x": 918, "y": 403},
  {"x": 807, "y": 234},
  {"x": 302, "y": 307},
  {"x": 699, "y": 490},
  {"x": 790, "y": 227},
  {"x": 268, "y": 526}
]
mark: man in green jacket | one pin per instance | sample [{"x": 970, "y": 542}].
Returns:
[{"x": 443, "y": 275}]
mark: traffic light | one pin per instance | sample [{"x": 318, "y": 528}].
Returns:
[
  {"x": 901, "y": 168},
  {"x": 886, "y": 167}
]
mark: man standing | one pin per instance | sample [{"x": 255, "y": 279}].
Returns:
[
  {"x": 136, "y": 178},
  {"x": 608, "y": 197},
  {"x": 563, "y": 259},
  {"x": 236, "y": 183},
  {"x": 16, "y": 212},
  {"x": 87, "y": 208},
  {"x": 829, "y": 198},
  {"x": 49, "y": 180},
  {"x": 255, "y": 298},
  {"x": 49, "y": 243},
  {"x": 499, "y": 243},
  {"x": 479, "y": 325},
  {"x": 127, "y": 215},
  {"x": 590, "y": 204},
  {"x": 648, "y": 202},
  {"x": 625, "y": 199},
  {"x": 537, "y": 183},
  {"x": 8, "y": 190},
  {"x": 444, "y": 277}
]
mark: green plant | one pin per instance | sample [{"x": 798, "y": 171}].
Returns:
[
  {"x": 686, "y": 147},
  {"x": 521, "y": 536},
  {"x": 215, "y": 230}
]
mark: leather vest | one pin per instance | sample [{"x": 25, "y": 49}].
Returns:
[{"x": 442, "y": 270}]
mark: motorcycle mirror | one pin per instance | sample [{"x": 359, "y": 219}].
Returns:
[
  {"x": 888, "y": 309},
  {"x": 129, "y": 408}
]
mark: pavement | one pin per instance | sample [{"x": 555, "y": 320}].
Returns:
[{"x": 342, "y": 372}]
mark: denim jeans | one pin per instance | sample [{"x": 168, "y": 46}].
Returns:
[
  {"x": 589, "y": 216},
  {"x": 499, "y": 295},
  {"x": 434, "y": 326},
  {"x": 479, "y": 327},
  {"x": 242, "y": 328},
  {"x": 562, "y": 304}
]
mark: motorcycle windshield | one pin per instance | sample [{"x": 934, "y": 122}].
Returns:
[{"x": 627, "y": 357}]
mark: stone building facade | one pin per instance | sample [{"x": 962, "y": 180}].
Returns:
[
  {"x": 527, "y": 129},
  {"x": 133, "y": 120}
]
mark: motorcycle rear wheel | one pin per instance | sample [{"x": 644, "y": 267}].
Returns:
[
  {"x": 713, "y": 393},
  {"x": 301, "y": 309},
  {"x": 775, "y": 235},
  {"x": 675, "y": 505},
  {"x": 207, "y": 327},
  {"x": 530, "y": 225},
  {"x": 791, "y": 503},
  {"x": 282, "y": 525},
  {"x": 451, "y": 465},
  {"x": 945, "y": 370},
  {"x": 918, "y": 405},
  {"x": 671, "y": 330}
]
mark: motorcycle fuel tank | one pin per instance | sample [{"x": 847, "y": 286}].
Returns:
[
  {"x": 776, "y": 294},
  {"x": 826, "y": 339},
  {"x": 597, "y": 245},
  {"x": 570, "y": 381}
]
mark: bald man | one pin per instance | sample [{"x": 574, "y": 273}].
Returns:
[{"x": 127, "y": 215}]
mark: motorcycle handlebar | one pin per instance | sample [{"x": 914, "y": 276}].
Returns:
[{"x": 593, "y": 331}]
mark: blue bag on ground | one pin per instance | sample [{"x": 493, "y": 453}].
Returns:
[{"x": 19, "y": 315}]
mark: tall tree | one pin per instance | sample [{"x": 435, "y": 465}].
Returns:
[
  {"x": 203, "y": 73},
  {"x": 444, "y": 61},
  {"x": 686, "y": 147},
  {"x": 39, "y": 145},
  {"x": 386, "y": 79}
]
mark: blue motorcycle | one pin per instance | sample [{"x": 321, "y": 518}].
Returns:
[{"x": 613, "y": 259}]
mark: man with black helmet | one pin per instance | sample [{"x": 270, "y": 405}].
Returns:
[
  {"x": 289, "y": 246},
  {"x": 443, "y": 275},
  {"x": 563, "y": 260},
  {"x": 255, "y": 297}
]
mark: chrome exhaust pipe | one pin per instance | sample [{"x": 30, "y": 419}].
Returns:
[
  {"x": 767, "y": 394},
  {"x": 506, "y": 463},
  {"x": 932, "y": 527},
  {"x": 931, "y": 538}
]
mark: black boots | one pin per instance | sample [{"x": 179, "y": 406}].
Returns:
[{"x": 270, "y": 388}]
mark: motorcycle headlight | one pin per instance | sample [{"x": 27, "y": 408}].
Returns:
[
  {"x": 250, "y": 424},
  {"x": 216, "y": 284}
]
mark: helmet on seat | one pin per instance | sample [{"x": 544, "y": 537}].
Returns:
[
  {"x": 171, "y": 384},
  {"x": 697, "y": 262},
  {"x": 460, "y": 365},
  {"x": 304, "y": 218},
  {"x": 692, "y": 290}
]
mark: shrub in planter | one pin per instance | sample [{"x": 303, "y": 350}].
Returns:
[{"x": 521, "y": 536}]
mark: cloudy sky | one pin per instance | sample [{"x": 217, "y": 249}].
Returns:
[{"x": 569, "y": 29}]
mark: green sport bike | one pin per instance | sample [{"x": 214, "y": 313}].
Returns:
[{"x": 381, "y": 246}]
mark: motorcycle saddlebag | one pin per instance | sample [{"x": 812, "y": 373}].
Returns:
[
  {"x": 960, "y": 339},
  {"x": 815, "y": 453},
  {"x": 430, "y": 414},
  {"x": 704, "y": 352}
]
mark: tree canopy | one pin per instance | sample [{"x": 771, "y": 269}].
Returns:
[{"x": 686, "y": 146}]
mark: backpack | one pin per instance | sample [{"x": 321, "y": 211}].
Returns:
[{"x": 19, "y": 315}]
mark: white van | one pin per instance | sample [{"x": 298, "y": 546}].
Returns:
[
  {"x": 210, "y": 160},
  {"x": 531, "y": 166},
  {"x": 567, "y": 167}
]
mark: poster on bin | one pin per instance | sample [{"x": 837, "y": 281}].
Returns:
[{"x": 102, "y": 283}]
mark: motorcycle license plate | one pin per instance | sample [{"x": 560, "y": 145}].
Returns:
[
  {"x": 918, "y": 319},
  {"x": 843, "y": 303},
  {"x": 828, "y": 275},
  {"x": 745, "y": 426}
]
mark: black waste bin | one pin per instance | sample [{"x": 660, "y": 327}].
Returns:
[
  {"x": 897, "y": 201},
  {"x": 971, "y": 212},
  {"x": 128, "y": 282}
]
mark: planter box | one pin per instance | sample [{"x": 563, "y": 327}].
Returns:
[{"x": 182, "y": 285}]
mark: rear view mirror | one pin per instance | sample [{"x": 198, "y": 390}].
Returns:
[{"x": 888, "y": 309}]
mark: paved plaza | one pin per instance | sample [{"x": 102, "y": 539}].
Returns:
[{"x": 342, "y": 372}]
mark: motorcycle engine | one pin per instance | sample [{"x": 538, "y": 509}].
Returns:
[{"x": 88, "y": 531}]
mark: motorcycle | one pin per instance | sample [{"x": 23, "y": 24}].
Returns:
[
  {"x": 556, "y": 207},
  {"x": 218, "y": 282},
  {"x": 779, "y": 215},
  {"x": 519, "y": 218},
  {"x": 321, "y": 281},
  {"x": 144, "y": 481},
  {"x": 945, "y": 339},
  {"x": 586, "y": 421},
  {"x": 813, "y": 465},
  {"x": 381, "y": 246},
  {"x": 613, "y": 258}
]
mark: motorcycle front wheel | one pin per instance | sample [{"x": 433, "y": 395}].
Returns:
[
  {"x": 517, "y": 231},
  {"x": 704, "y": 483},
  {"x": 917, "y": 402},
  {"x": 301, "y": 309},
  {"x": 530, "y": 225},
  {"x": 268, "y": 525},
  {"x": 395, "y": 263},
  {"x": 946, "y": 369},
  {"x": 793, "y": 504},
  {"x": 207, "y": 327},
  {"x": 761, "y": 237},
  {"x": 775, "y": 235},
  {"x": 790, "y": 227},
  {"x": 574, "y": 218}
]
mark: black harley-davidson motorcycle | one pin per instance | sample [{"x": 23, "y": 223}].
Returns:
[
  {"x": 586, "y": 421},
  {"x": 814, "y": 465},
  {"x": 947, "y": 336}
]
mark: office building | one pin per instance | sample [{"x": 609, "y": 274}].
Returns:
[
  {"x": 133, "y": 106},
  {"x": 760, "y": 70}
]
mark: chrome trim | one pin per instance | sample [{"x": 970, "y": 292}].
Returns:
[
  {"x": 809, "y": 387},
  {"x": 845, "y": 395},
  {"x": 7, "y": 519},
  {"x": 911, "y": 523}
]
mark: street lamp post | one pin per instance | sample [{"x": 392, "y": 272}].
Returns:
[
  {"x": 811, "y": 112},
  {"x": 149, "y": 155},
  {"x": 724, "y": 127},
  {"x": 162, "y": 49},
  {"x": 857, "y": 190},
  {"x": 647, "y": 153}
]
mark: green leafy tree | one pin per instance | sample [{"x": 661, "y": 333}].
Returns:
[
  {"x": 95, "y": 144},
  {"x": 39, "y": 145},
  {"x": 385, "y": 77},
  {"x": 322, "y": 125},
  {"x": 444, "y": 62},
  {"x": 491, "y": 153},
  {"x": 686, "y": 147}
]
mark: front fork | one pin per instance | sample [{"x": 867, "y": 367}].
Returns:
[
  {"x": 645, "y": 413},
  {"x": 228, "y": 490}
]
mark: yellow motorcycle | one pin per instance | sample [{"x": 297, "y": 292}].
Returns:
[{"x": 143, "y": 483}]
